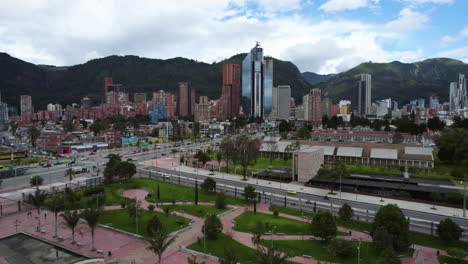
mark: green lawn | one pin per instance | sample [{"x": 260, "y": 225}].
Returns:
[
  {"x": 355, "y": 225},
  {"x": 197, "y": 210},
  {"x": 450, "y": 260},
  {"x": 319, "y": 251},
  {"x": 261, "y": 164},
  {"x": 434, "y": 242},
  {"x": 369, "y": 170},
  {"x": 245, "y": 254},
  {"x": 290, "y": 211},
  {"x": 120, "y": 219},
  {"x": 168, "y": 192}
]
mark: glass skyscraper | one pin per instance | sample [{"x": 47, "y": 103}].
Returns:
[{"x": 257, "y": 84}]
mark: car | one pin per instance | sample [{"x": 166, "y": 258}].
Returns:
[
  {"x": 2, "y": 166},
  {"x": 124, "y": 153},
  {"x": 163, "y": 154},
  {"x": 165, "y": 175},
  {"x": 57, "y": 162},
  {"x": 84, "y": 158},
  {"x": 47, "y": 165},
  {"x": 290, "y": 191},
  {"x": 33, "y": 166}
]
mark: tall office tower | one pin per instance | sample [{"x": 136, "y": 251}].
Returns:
[
  {"x": 454, "y": 97},
  {"x": 167, "y": 100},
  {"x": 231, "y": 93},
  {"x": 364, "y": 94},
  {"x": 305, "y": 107},
  {"x": 327, "y": 107},
  {"x": 26, "y": 104},
  {"x": 139, "y": 98},
  {"x": 257, "y": 84},
  {"x": 462, "y": 90},
  {"x": 433, "y": 102},
  {"x": 3, "y": 112},
  {"x": 107, "y": 81},
  {"x": 281, "y": 103},
  {"x": 345, "y": 107},
  {"x": 186, "y": 99},
  {"x": 315, "y": 106},
  {"x": 86, "y": 102},
  {"x": 202, "y": 112}
]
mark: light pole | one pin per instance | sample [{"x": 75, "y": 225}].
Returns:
[
  {"x": 464, "y": 195},
  {"x": 272, "y": 232},
  {"x": 359, "y": 253},
  {"x": 204, "y": 234}
]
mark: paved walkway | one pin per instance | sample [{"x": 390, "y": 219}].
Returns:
[{"x": 173, "y": 163}]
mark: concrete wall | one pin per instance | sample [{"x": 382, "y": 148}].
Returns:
[{"x": 306, "y": 164}]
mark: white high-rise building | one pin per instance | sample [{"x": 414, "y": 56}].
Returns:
[
  {"x": 458, "y": 94},
  {"x": 281, "y": 109}
]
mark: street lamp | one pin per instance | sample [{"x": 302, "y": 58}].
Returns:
[{"x": 271, "y": 238}]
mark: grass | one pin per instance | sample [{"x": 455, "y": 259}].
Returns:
[
  {"x": 216, "y": 247},
  {"x": 319, "y": 251},
  {"x": 121, "y": 220},
  {"x": 435, "y": 242},
  {"x": 369, "y": 170},
  {"x": 290, "y": 211},
  {"x": 261, "y": 164},
  {"x": 246, "y": 222},
  {"x": 355, "y": 225},
  {"x": 196, "y": 210},
  {"x": 450, "y": 260}
]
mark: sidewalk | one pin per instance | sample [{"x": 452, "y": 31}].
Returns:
[{"x": 408, "y": 205}]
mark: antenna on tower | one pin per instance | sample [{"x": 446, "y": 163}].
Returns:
[{"x": 257, "y": 43}]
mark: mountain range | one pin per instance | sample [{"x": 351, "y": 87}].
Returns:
[{"x": 65, "y": 85}]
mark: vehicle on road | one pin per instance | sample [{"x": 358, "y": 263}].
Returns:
[
  {"x": 290, "y": 191},
  {"x": 2, "y": 166},
  {"x": 33, "y": 166},
  {"x": 58, "y": 162},
  {"x": 84, "y": 158},
  {"x": 47, "y": 165}
]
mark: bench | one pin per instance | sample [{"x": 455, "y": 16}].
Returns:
[
  {"x": 307, "y": 256},
  {"x": 280, "y": 234},
  {"x": 99, "y": 251},
  {"x": 43, "y": 231},
  {"x": 79, "y": 244}
]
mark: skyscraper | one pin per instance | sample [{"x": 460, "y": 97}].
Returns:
[
  {"x": 315, "y": 105},
  {"x": 434, "y": 102},
  {"x": 257, "y": 84},
  {"x": 462, "y": 89},
  {"x": 281, "y": 103},
  {"x": 186, "y": 99},
  {"x": 326, "y": 107},
  {"x": 167, "y": 100},
  {"x": 107, "y": 81},
  {"x": 364, "y": 94},
  {"x": 231, "y": 93},
  {"x": 3, "y": 112},
  {"x": 26, "y": 104},
  {"x": 202, "y": 112},
  {"x": 453, "y": 97},
  {"x": 86, "y": 102},
  {"x": 458, "y": 94}
]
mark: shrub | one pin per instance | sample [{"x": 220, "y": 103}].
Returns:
[
  {"x": 213, "y": 227},
  {"x": 208, "y": 185},
  {"x": 36, "y": 180},
  {"x": 167, "y": 211},
  {"x": 151, "y": 207},
  {"x": 449, "y": 231},
  {"x": 123, "y": 203},
  {"x": 275, "y": 213},
  {"x": 153, "y": 226},
  {"x": 341, "y": 248},
  {"x": 324, "y": 226},
  {"x": 93, "y": 190},
  {"x": 345, "y": 212},
  {"x": 457, "y": 252},
  {"x": 454, "y": 197},
  {"x": 220, "y": 203}
]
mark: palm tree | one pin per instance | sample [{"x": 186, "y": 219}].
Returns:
[
  {"x": 69, "y": 172},
  {"x": 92, "y": 215},
  {"x": 193, "y": 260},
  {"x": 71, "y": 219},
  {"x": 56, "y": 204},
  {"x": 230, "y": 256},
  {"x": 160, "y": 242},
  {"x": 37, "y": 199},
  {"x": 270, "y": 256}
]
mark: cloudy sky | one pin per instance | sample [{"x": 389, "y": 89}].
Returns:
[{"x": 324, "y": 36}]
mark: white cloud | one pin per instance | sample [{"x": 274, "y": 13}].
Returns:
[
  {"x": 447, "y": 40},
  {"x": 409, "y": 19},
  {"x": 340, "y": 5},
  {"x": 464, "y": 32},
  {"x": 428, "y": 1},
  {"x": 66, "y": 33},
  {"x": 460, "y": 53},
  {"x": 279, "y": 6}
]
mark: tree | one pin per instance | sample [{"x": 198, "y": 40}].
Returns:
[
  {"x": 304, "y": 133},
  {"x": 36, "y": 181},
  {"x": 453, "y": 145},
  {"x": 272, "y": 147},
  {"x": 160, "y": 242},
  {"x": 92, "y": 215},
  {"x": 336, "y": 172},
  {"x": 436, "y": 197},
  {"x": 153, "y": 226},
  {"x": 68, "y": 125},
  {"x": 346, "y": 212},
  {"x": 220, "y": 203},
  {"x": 388, "y": 256},
  {"x": 449, "y": 231},
  {"x": 258, "y": 231},
  {"x": 382, "y": 239},
  {"x": 391, "y": 220},
  {"x": 267, "y": 255},
  {"x": 37, "y": 199},
  {"x": 203, "y": 157},
  {"x": 323, "y": 225},
  {"x": 435, "y": 124},
  {"x": 196, "y": 192},
  {"x": 230, "y": 256},
  {"x": 69, "y": 172},
  {"x": 71, "y": 219},
  {"x": 96, "y": 127},
  {"x": 219, "y": 158},
  {"x": 126, "y": 169},
  {"x": 132, "y": 208},
  {"x": 341, "y": 248},
  {"x": 284, "y": 126},
  {"x": 249, "y": 193},
  {"x": 208, "y": 185},
  {"x": 227, "y": 150},
  {"x": 56, "y": 205},
  {"x": 212, "y": 226},
  {"x": 247, "y": 152},
  {"x": 33, "y": 134},
  {"x": 324, "y": 121},
  {"x": 158, "y": 193}
]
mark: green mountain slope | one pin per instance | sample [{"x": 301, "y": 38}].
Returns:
[
  {"x": 49, "y": 84},
  {"x": 399, "y": 81}
]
